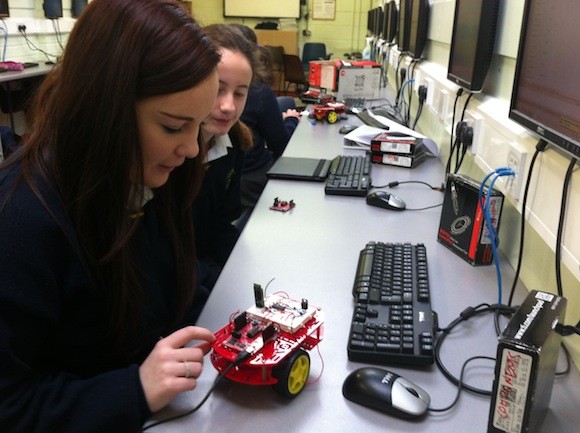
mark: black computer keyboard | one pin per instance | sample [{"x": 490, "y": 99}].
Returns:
[
  {"x": 354, "y": 105},
  {"x": 369, "y": 120},
  {"x": 349, "y": 175},
  {"x": 392, "y": 322}
]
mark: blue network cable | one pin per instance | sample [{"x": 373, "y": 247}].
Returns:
[
  {"x": 410, "y": 80},
  {"x": 495, "y": 174}
]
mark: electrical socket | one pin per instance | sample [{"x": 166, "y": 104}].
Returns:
[
  {"x": 516, "y": 160},
  {"x": 394, "y": 58},
  {"x": 441, "y": 104},
  {"x": 475, "y": 121},
  {"x": 428, "y": 82},
  {"x": 418, "y": 77}
]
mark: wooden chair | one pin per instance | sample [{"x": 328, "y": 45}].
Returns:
[
  {"x": 294, "y": 74},
  {"x": 277, "y": 54}
]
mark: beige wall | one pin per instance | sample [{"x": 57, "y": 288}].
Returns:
[{"x": 344, "y": 34}]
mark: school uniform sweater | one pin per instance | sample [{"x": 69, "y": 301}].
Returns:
[{"x": 58, "y": 370}]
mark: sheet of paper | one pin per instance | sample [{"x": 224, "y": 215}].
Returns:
[{"x": 361, "y": 137}]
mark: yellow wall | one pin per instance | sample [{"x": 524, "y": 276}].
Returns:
[{"x": 344, "y": 34}]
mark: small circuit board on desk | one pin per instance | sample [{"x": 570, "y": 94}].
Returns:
[
  {"x": 271, "y": 337},
  {"x": 282, "y": 205}
]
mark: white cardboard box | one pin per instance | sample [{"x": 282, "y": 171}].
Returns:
[{"x": 359, "y": 82}]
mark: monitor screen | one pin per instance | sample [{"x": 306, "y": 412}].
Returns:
[
  {"x": 390, "y": 21},
  {"x": 419, "y": 25},
  {"x": 379, "y": 22},
  {"x": 4, "y": 9},
  {"x": 404, "y": 25},
  {"x": 52, "y": 9},
  {"x": 76, "y": 7},
  {"x": 546, "y": 92},
  {"x": 472, "y": 42}
]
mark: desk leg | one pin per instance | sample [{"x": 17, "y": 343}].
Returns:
[{"x": 9, "y": 104}]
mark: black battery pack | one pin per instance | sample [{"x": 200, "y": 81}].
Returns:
[
  {"x": 525, "y": 367},
  {"x": 462, "y": 228}
]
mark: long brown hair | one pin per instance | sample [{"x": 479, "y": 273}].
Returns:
[{"x": 85, "y": 137}]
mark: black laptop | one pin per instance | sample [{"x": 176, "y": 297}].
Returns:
[{"x": 292, "y": 168}]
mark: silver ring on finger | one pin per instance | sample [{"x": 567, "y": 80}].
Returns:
[{"x": 186, "y": 368}]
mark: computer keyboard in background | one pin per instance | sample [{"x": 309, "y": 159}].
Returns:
[
  {"x": 354, "y": 105},
  {"x": 349, "y": 175},
  {"x": 369, "y": 120},
  {"x": 392, "y": 322}
]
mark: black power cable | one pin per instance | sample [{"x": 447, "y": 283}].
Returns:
[
  {"x": 540, "y": 147},
  {"x": 561, "y": 225},
  {"x": 241, "y": 357},
  {"x": 464, "y": 316}
]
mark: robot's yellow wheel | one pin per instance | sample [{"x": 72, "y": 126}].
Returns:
[
  {"x": 332, "y": 117},
  {"x": 292, "y": 374}
]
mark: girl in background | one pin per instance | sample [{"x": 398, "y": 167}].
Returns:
[
  {"x": 224, "y": 140},
  {"x": 271, "y": 127}
]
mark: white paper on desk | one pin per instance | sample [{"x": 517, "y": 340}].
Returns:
[{"x": 361, "y": 137}]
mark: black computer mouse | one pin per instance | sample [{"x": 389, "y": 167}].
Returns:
[
  {"x": 385, "y": 200},
  {"x": 386, "y": 391},
  {"x": 345, "y": 129}
]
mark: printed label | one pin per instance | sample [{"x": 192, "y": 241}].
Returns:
[
  {"x": 494, "y": 209},
  {"x": 403, "y": 161},
  {"x": 544, "y": 296},
  {"x": 395, "y": 147},
  {"x": 512, "y": 390}
]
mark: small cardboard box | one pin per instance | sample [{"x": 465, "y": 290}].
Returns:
[
  {"x": 359, "y": 80},
  {"x": 525, "y": 366},
  {"x": 462, "y": 228},
  {"x": 323, "y": 74}
]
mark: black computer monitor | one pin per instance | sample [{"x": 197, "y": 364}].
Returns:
[
  {"x": 76, "y": 7},
  {"x": 390, "y": 21},
  {"x": 4, "y": 9},
  {"x": 419, "y": 26},
  {"x": 404, "y": 25},
  {"x": 379, "y": 22},
  {"x": 546, "y": 91},
  {"x": 472, "y": 42},
  {"x": 52, "y": 9}
]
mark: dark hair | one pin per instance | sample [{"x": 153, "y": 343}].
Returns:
[
  {"x": 264, "y": 66},
  {"x": 231, "y": 38},
  {"x": 248, "y": 33},
  {"x": 85, "y": 137}
]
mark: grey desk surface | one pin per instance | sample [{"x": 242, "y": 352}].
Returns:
[
  {"x": 33, "y": 71},
  {"x": 311, "y": 252}
]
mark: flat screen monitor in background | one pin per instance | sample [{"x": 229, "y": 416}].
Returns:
[
  {"x": 404, "y": 25},
  {"x": 419, "y": 26},
  {"x": 472, "y": 42},
  {"x": 370, "y": 21},
  {"x": 52, "y": 9},
  {"x": 4, "y": 9},
  {"x": 76, "y": 7},
  {"x": 546, "y": 91},
  {"x": 390, "y": 21},
  {"x": 379, "y": 22}
]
